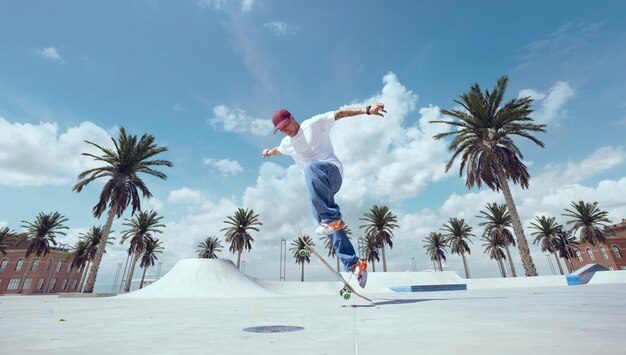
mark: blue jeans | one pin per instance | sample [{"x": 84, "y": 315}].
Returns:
[{"x": 323, "y": 181}]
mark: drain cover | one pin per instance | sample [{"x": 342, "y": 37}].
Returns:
[{"x": 273, "y": 329}]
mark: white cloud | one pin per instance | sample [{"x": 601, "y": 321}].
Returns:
[
  {"x": 36, "y": 155},
  {"x": 279, "y": 28},
  {"x": 246, "y": 5},
  {"x": 51, "y": 54},
  {"x": 237, "y": 121},
  {"x": 552, "y": 108},
  {"x": 224, "y": 166},
  {"x": 187, "y": 196}
]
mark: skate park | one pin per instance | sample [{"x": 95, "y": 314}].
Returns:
[{"x": 207, "y": 306}]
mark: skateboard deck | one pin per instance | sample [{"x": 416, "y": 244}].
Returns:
[{"x": 347, "y": 287}]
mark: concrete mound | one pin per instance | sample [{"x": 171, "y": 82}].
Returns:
[{"x": 202, "y": 278}]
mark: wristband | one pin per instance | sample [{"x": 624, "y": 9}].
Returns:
[
  {"x": 266, "y": 152},
  {"x": 367, "y": 109}
]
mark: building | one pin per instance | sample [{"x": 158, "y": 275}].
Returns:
[
  {"x": 37, "y": 275},
  {"x": 612, "y": 255}
]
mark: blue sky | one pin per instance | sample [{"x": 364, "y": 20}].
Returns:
[{"x": 205, "y": 76}]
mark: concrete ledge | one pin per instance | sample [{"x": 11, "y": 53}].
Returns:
[
  {"x": 428, "y": 288},
  {"x": 86, "y": 295},
  {"x": 584, "y": 274}
]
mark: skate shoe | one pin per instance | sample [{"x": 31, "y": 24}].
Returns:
[
  {"x": 326, "y": 228},
  {"x": 360, "y": 270}
]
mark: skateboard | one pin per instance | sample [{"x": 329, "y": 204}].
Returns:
[{"x": 347, "y": 289}]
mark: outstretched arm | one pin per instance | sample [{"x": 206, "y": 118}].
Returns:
[
  {"x": 269, "y": 152},
  {"x": 375, "y": 109}
]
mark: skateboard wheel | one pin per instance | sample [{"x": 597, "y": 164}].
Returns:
[{"x": 345, "y": 294}]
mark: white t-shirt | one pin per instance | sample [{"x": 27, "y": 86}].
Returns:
[{"x": 312, "y": 142}]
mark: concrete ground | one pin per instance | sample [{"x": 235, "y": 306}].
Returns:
[{"x": 585, "y": 319}]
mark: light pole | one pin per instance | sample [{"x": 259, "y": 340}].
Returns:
[{"x": 283, "y": 259}]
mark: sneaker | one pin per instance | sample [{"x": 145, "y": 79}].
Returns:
[
  {"x": 360, "y": 269},
  {"x": 326, "y": 228}
]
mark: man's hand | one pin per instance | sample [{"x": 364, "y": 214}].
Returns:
[
  {"x": 377, "y": 108},
  {"x": 266, "y": 153}
]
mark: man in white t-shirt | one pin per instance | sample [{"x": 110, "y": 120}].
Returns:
[{"x": 309, "y": 145}]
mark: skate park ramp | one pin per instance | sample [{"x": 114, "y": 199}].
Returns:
[{"x": 202, "y": 278}]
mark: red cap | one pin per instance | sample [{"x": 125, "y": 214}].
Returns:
[{"x": 280, "y": 119}]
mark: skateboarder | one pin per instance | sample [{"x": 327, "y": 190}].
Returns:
[{"x": 308, "y": 143}]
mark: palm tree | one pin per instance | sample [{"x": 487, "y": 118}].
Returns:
[
  {"x": 435, "y": 245},
  {"x": 369, "y": 250},
  {"x": 297, "y": 245},
  {"x": 79, "y": 254},
  {"x": 456, "y": 234},
  {"x": 152, "y": 247},
  {"x": 237, "y": 234},
  {"x": 381, "y": 221},
  {"x": 546, "y": 234},
  {"x": 566, "y": 245},
  {"x": 7, "y": 237},
  {"x": 328, "y": 244},
  {"x": 209, "y": 248},
  {"x": 493, "y": 247},
  {"x": 141, "y": 227},
  {"x": 122, "y": 165},
  {"x": 498, "y": 222},
  {"x": 589, "y": 219},
  {"x": 41, "y": 233},
  {"x": 92, "y": 238},
  {"x": 483, "y": 138}
]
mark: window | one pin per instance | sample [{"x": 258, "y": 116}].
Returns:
[
  {"x": 13, "y": 284},
  {"x": 603, "y": 253},
  {"x": 590, "y": 253},
  {"x": 19, "y": 264},
  {"x": 579, "y": 255},
  {"x": 623, "y": 268},
  {"x": 611, "y": 268},
  {"x": 52, "y": 284},
  {"x": 48, "y": 264},
  {"x": 616, "y": 251},
  {"x": 27, "y": 284},
  {"x": 64, "y": 284},
  {"x": 40, "y": 284},
  {"x": 69, "y": 267},
  {"x": 4, "y": 264},
  {"x": 74, "y": 284},
  {"x": 59, "y": 264},
  {"x": 35, "y": 265}
]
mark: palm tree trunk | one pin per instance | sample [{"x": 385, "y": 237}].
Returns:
[
  {"x": 522, "y": 243},
  {"x": 143, "y": 277},
  {"x": 558, "y": 262},
  {"x": 467, "y": 275},
  {"x": 373, "y": 266},
  {"x": 501, "y": 266},
  {"x": 129, "y": 279},
  {"x": 83, "y": 277},
  {"x": 239, "y": 259},
  {"x": 508, "y": 254},
  {"x": 23, "y": 280},
  {"x": 384, "y": 259},
  {"x": 302, "y": 273},
  {"x": 93, "y": 273}
]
